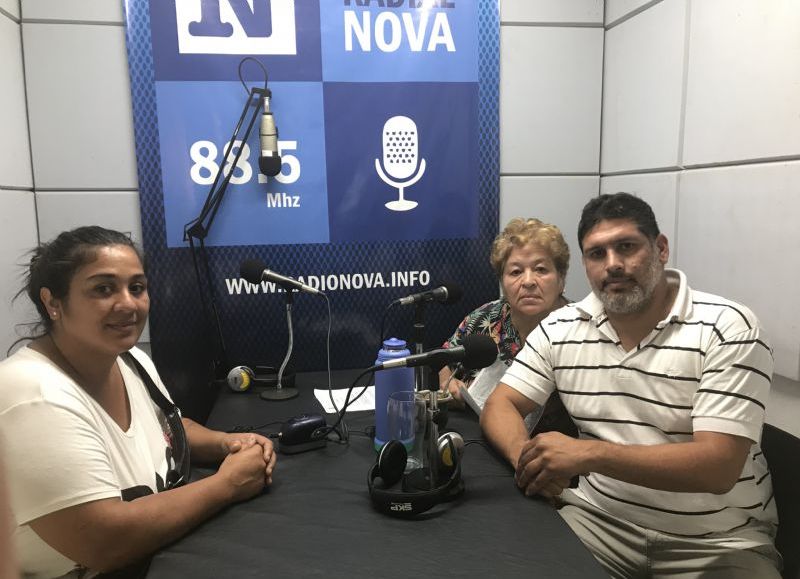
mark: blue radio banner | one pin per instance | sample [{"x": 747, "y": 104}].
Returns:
[{"x": 388, "y": 136}]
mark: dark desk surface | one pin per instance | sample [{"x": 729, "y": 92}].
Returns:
[{"x": 317, "y": 520}]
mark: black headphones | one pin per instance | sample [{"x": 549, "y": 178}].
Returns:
[
  {"x": 242, "y": 378},
  {"x": 408, "y": 501}
]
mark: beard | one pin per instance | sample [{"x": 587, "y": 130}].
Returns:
[{"x": 638, "y": 297}]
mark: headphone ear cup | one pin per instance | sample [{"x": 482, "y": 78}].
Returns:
[
  {"x": 392, "y": 462},
  {"x": 451, "y": 448},
  {"x": 240, "y": 378}
]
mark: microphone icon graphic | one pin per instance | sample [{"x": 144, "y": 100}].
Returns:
[{"x": 400, "y": 159}]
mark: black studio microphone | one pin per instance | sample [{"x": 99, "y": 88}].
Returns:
[
  {"x": 476, "y": 351},
  {"x": 447, "y": 293},
  {"x": 269, "y": 161},
  {"x": 255, "y": 271}
]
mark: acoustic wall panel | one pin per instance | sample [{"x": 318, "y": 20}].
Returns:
[
  {"x": 10, "y": 7},
  {"x": 15, "y": 152},
  {"x": 642, "y": 90},
  {"x": 743, "y": 92},
  {"x": 552, "y": 11},
  {"x": 73, "y": 10},
  {"x": 615, "y": 10},
  {"x": 18, "y": 230},
  {"x": 550, "y": 85},
  {"x": 739, "y": 238},
  {"x": 80, "y": 106}
]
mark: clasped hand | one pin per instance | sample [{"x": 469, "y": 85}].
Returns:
[
  {"x": 236, "y": 442},
  {"x": 548, "y": 461}
]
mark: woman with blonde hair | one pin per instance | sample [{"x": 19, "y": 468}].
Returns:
[{"x": 531, "y": 260}]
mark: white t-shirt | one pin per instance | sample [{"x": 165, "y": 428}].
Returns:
[{"x": 62, "y": 449}]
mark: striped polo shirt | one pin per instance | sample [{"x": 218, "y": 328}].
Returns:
[{"x": 706, "y": 367}]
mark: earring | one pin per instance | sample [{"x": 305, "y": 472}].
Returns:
[{"x": 53, "y": 315}]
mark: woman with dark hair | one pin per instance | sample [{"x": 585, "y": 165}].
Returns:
[{"x": 94, "y": 448}]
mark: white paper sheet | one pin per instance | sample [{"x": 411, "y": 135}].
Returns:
[
  {"x": 483, "y": 385},
  {"x": 364, "y": 402}
]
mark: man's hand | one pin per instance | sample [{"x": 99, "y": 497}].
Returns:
[{"x": 548, "y": 461}]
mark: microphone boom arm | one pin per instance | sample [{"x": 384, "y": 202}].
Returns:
[{"x": 199, "y": 227}]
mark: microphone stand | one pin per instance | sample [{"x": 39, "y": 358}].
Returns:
[
  {"x": 279, "y": 392},
  {"x": 199, "y": 228},
  {"x": 431, "y": 439},
  {"x": 420, "y": 376},
  {"x": 426, "y": 477}
]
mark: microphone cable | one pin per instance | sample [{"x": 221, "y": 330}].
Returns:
[
  {"x": 343, "y": 434},
  {"x": 383, "y": 320}
]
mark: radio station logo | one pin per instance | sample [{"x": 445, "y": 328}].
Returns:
[
  {"x": 401, "y": 166},
  {"x": 236, "y": 27}
]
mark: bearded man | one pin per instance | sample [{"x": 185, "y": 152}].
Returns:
[{"x": 668, "y": 387}]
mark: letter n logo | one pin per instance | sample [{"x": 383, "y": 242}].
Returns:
[{"x": 236, "y": 26}]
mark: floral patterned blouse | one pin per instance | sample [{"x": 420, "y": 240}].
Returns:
[{"x": 494, "y": 320}]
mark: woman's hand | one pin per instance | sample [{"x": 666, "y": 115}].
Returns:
[
  {"x": 238, "y": 441},
  {"x": 453, "y": 386},
  {"x": 243, "y": 472}
]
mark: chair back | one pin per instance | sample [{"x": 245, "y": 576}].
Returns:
[{"x": 783, "y": 456}]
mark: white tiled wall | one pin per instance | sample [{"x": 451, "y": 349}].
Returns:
[
  {"x": 616, "y": 10},
  {"x": 642, "y": 89},
  {"x": 11, "y": 7},
  {"x": 743, "y": 90},
  {"x": 15, "y": 153},
  {"x": 18, "y": 227},
  {"x": 549, "y": 11},
  {"x": 550, "y": 99},
  {"x": 73, "y": 10},
  {"x": 17, "y": 205},
  {"x": 61, "y": 210},
  {"x": 738, "y": 228},
  {"x": 80, "y": 106}
]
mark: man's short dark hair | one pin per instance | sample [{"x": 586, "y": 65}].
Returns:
[{"x": 618, "y": 206}]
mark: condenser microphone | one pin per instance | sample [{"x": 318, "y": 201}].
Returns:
[
  {"x": 255, "y": 271},
  {"x": 447, "y": 293},
  {"x": 476, "y": 351},
  {"x": 269, "y": 161}
]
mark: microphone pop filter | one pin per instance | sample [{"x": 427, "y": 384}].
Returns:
[
  {"x": 480, "y": 351},
  {"x": 251, "y": 270}
]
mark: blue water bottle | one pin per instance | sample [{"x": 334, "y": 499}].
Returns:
[{"x": 388, "y": 382}]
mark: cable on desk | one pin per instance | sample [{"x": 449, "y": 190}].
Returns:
[
  {"x": 334, "y": 428},
  {"x": 251, "y": 428}
]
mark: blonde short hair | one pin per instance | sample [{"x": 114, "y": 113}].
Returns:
[{"x": 520, "y": 232}]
